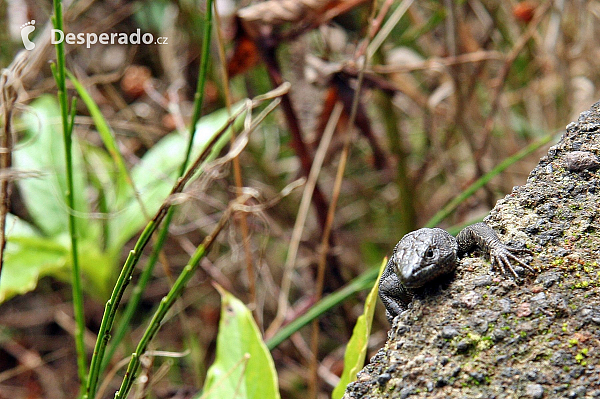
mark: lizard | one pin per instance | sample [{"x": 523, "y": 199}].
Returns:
[{"x": 425, "y": 254}]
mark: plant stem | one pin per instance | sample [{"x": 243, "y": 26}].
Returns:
[
  {"x": 9, "y": 97},
  {"x": 59, "y": 75},
  {"x": 136, "y": 296},
  {"x": 138, "y": 290},
  {"x": 112, "y": 304},
  {"x": 134, "y": 256},
  {"x": 165, "y": 304},
  {"x": 192, "y": 265},
  {"x": 199, "y": 95}
]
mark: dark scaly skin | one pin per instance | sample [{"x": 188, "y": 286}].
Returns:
[{"x": 425, "y": 254}]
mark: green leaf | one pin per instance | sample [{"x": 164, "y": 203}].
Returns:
[
  {"x": 243, "y": 367},
  {"x": 356, "y": 351},
  {"x": 155, "y": 175},
  {"x": 98, "y": 269},
  {"x": 42, "y": 152},
  {"x": 28, "y": 257},
  {"x": 103, "y": 130}
]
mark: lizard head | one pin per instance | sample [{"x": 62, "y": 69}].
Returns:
[{"x": 423, "y": 255}]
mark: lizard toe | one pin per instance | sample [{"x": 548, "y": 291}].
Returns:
[
  {"x": 519, "y": 250},
  {"x": 501, "y": 257},
  {"x": 500, "y": 262},
  {"x": 519, "y": 261}
]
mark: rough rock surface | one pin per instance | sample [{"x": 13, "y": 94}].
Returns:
[{"x": 481, "y": 335}]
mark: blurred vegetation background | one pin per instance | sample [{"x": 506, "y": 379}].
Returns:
[{"x": 447, "y": 90}]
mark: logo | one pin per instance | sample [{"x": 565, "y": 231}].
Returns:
[{"x": 26, "y": 30}]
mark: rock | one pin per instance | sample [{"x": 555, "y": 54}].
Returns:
[
  {"x": 578, "y": 161},
  {"x": 449, "y": 332},
  {"x": 484, "y": 335},
  {"x": 534, "y": 391}
]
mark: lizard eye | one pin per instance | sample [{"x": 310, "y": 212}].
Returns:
[{"x": 429, "y": 253}]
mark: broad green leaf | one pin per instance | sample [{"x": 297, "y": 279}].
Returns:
[
  {"x": 42, "y": 152},
  {"x": 243, "y": 367},
  {"x": 30, "y": 256},
  {"x": 155, "y": 175},
  {"x": 356, "y": 351},
  {"x": 98, "y": 269}
]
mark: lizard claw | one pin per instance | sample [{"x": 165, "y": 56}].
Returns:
[
  {"x": 519, "y": 250},
  {"x": 501, "y": 257}
]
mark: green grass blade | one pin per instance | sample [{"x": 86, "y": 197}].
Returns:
[
  {"x": 134, "y": 256},
  {"x": 356, "y": 350},
  {"x": 175, "y": 291},
  {"x": 483, "y": 180},
  {"x": 109, "y": 142},
  {"x": 360, "y": 283},
  {"x": 102, "y": 126},
  {"x": 199, "y": 95}
]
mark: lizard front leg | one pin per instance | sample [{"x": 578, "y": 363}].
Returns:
[
  {"x": 482, "y": 236},
  {"x": 394, "y": 296}
]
